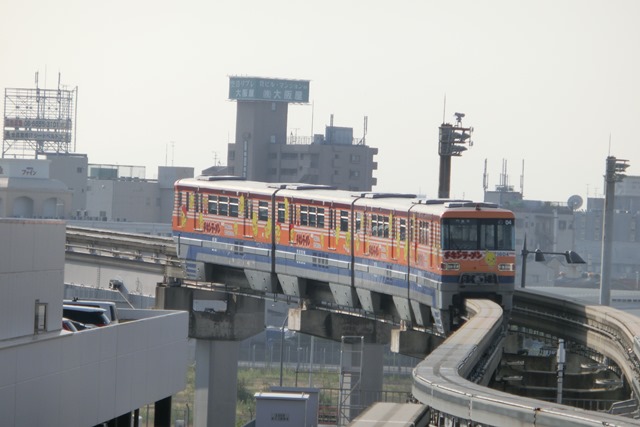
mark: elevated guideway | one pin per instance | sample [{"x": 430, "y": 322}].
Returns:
[{"x": 450, "y": 381}]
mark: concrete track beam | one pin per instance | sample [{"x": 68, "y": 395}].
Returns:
[
  {"x": 215, "y": 315},
  {"x": 334, "y": 326},
  {"x": 414, "y": 343}
]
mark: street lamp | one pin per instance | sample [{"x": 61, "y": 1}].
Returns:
[
  {"x": 570, "y": 256},
  {"x": 282, "y": 346}
]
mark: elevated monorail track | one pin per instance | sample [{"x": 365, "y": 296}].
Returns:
[{"x": 451, "y": 380}]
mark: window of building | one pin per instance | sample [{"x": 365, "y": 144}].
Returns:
[
  {"x": 355, "y": 158},
  {"x": 79, "y": 169},
  {"x": 273, "y": 139},
  {"x": 354, "y": 174},
  {"x": 40, "y": 320}
]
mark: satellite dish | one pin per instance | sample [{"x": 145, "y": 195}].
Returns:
[{"x": 574, "y": 202}]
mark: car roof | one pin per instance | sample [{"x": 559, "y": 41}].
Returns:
[{"x": 83, "y": 308}]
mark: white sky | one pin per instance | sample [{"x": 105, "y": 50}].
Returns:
[{"x": 545, "y": 81}]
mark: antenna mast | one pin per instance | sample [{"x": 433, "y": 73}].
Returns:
[
  {"x": 522, "y": 180},
  {"x": 485, "y": 177}
]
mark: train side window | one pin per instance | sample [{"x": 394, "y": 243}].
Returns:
[
  {"x": 223, "y": 206},
  {"x": 403, "y": 230},
  {"x": 344, "y": 220},
  {"x": 304, "y": 215},
  {"x": 385, "y": 222},
  {"x": 233, "y": 207},
  {"x": 281, "y": 215},
  {"x": 374, "y": 225},
  {"x": 247, "y": 211},
  {"x": 263, "y": 210},
  {"x": 191, "y": 201},
  {"x": 320, "y": 218},
  {"x": 312, "y": 216},
  {"x": 358, "y": 221},
  {"x": 213, "y": 205},
  {"x": 179, "y": 198},
  {"x": 423, "y": 232}
]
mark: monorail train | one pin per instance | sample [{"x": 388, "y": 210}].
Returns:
[{"x": 364, "y": 250}]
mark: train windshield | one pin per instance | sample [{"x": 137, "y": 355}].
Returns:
[{"x": 470, "y": 234}]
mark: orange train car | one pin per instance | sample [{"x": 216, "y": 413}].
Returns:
[{"x": 426, "y": 255}]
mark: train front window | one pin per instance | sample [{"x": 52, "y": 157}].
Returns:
[{"x": 477, "y": 234}]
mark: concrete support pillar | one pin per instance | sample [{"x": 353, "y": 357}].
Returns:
[
  {"x": 372, "y": 373},
  {"x": 216, "y": 379},
  {"x": 162, "y": 417},
  {"x": 362, "y": 377}
]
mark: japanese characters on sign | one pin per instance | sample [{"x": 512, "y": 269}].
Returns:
[{"x": 261, "y": 89}]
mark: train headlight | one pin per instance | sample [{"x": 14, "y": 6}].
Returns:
[
  {"x": 506, "y": 267},
  {"x": 448, "y": 266}
]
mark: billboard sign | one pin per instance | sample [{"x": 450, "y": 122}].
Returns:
[
  {"x": 25, "y": 168},
  {"x": 275, "y": 90}
]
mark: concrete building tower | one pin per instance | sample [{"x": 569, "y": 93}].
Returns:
[{"x": 263, "y": 151}]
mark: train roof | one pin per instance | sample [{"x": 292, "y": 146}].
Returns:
[{"x": 325, "y": 193}]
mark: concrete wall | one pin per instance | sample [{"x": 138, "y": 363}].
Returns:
[
  {"x": 72, "y": 169},
  {"x": 88, "y": 377},
  {"x": 31, "y": 268},
  {"x": 59, "y": 378}
]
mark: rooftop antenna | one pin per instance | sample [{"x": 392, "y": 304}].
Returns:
[
  {"x": 312, "y": 112},
  {"x": 364, "y": 132},
  {"x": 504, "y": 178},
  {"x": 444, "y": 108},
  {"x": 522, "y": 179},
  {"x": 485, "y": 177}
]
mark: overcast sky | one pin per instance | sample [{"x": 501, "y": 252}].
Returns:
[{"x": 547, "y": 82}]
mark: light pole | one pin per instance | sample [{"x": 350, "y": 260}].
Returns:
[
  {"x": 282, "y": 346},
  {"x": 570, "y": 256},
  {"x": 614, "y": 173}
]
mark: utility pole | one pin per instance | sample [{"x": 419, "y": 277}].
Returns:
[
  {"x": 452, "y": 140},
  {"x": 614, "y": 173}
]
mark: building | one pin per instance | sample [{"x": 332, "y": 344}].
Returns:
[
  {"x": 548, "y": 226},
  {"x": 27, "y": 191},
  {"x": 52, "y": 377},
  {"x": 263, "y": 151}
]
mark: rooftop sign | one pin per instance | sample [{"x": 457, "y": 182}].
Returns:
[{"x": 275, "y": 90}]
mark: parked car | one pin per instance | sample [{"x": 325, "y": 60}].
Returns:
[
  {"x": 74, "y": 326},
  {"x": 95, "y": 316},
  {"x": 108, "y": 306}
]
